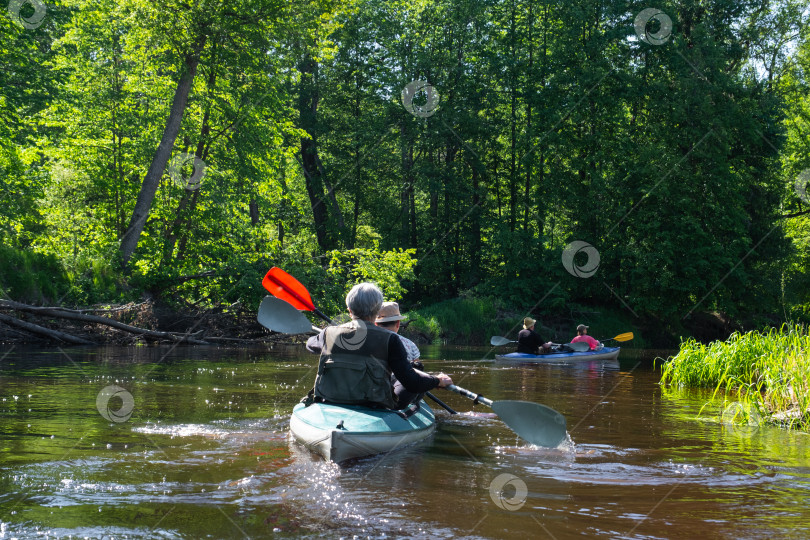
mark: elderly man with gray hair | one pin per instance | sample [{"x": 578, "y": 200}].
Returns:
[{"x": 358, "y": 358}]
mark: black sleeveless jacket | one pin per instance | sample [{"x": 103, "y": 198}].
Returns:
[{"x": 353, "y": 368}]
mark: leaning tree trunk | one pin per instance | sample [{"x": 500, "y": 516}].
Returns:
[
  {"x": 152, "y": 179},
  {"x": 188, "y": 197}
]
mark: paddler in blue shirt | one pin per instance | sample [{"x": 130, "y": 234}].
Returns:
[{"x": 358, "y": 358}]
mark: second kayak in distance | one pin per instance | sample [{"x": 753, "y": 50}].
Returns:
[{"x": 605, "y": 353}]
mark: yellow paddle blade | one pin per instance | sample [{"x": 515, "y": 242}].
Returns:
[{"x": 624, "y": 337}]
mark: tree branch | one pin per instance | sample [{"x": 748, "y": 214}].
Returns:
[
  {"x": 797, "y": 214},
  {"x": 42, "y": 331},
  {"x": 60, "y": 314}
]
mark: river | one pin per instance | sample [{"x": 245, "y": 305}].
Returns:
[{"x": 195, "y": 445}]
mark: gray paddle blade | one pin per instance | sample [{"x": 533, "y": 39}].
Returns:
[
  {"x": 497, "y": 341},
  {"x": 533, "y": 422},
  {"x": 279, "y": 316},
  {"x": 580, "y": 346}
]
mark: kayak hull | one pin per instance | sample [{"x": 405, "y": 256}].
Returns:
[
  {"x": 363, "y": 431},
  {"x": 605, "y": 353}
]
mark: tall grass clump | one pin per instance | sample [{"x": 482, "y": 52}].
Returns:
[
  {"x": 31, "y": 277},
  {"x": 460, "y": 320},
  {"x": 769, "y": 372}
]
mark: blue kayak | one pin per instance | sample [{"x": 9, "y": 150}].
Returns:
[
  {"x": 341, "y": 432},
  {"x": 605, "y": 353}
]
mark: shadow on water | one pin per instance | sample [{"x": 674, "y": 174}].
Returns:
[{"x": 206, "y": 453}]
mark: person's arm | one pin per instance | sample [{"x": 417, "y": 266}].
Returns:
[
  {"x": 316, "y": 343},
  {"x": 413, "y": 380}
]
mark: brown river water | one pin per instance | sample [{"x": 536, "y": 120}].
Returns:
[{"x": 195, "y": 445}]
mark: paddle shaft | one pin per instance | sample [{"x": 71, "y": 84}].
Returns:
[
  {"x": 627, "y": 336},
  {"x": 476, "y": 398},
  {"x": 441, "y": 403}
]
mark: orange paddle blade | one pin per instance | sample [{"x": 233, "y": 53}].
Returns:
[{"x": 282, "y": 285}]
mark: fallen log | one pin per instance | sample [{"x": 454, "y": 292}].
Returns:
[
  {"x": 42, "y": 331},
  {"x": 241, "y": 340},
  {"x": 125, "y": 307},
  {"x": 95, "y": 319}
]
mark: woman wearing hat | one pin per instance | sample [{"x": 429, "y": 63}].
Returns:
[
  {"x": 390, "y": 318},
  {"x": 529, "y": 341},
  {"x": 582, "y": 336}
]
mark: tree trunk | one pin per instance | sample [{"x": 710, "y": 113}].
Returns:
[
  {"x": 330, "y": 192},
  {"x": 513, "y": 179},
  {"x": 152, "y": 179},
  {"x": 542, "y": 203},
  {"x": 254, "y": 211},
  {"x": 529, "y": 135},
  {"x": 174, "y": 231},
  {"x": 307, "y": 109},
  {"x": 475, "y": 223},
  {"x": 407, "y": 183},
  {"x": 414, "y": 235},
  {"x": 282, "y": 206}
]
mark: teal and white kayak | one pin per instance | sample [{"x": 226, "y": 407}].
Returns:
[
  {"x": 605, "y": 353},
  {"x": 341, "y": 432}
]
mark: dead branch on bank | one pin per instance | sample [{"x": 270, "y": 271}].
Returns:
[
  {"x": 42, "y": 331},
  {"x": 77, "y": 315}
]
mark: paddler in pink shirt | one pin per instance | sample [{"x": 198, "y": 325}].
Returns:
[{"x": 582, "y": 336}]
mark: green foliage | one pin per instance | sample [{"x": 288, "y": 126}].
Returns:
[
  {"x": 555, "y": 123},
  {"x": 767, "y": 372},
  {"x": 388, "y": 269},
  {"x": 329, "y": 284},
  {"x": 31, "y": 277},
  {"x": 468, "y": 320},
  {"x": 605, "y": 323},
  {"x": 795, "y": 161}
]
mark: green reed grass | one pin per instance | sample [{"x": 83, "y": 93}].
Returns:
[
  {"x": 468, "y": 320},
  {"x": 768, "y": 372}
]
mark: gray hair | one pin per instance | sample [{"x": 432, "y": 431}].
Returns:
[{"x": 364, "y": 300}]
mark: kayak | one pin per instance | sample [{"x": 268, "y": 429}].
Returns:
[
  {"x": 341, "y": 432},
  {"x": 605, "y": 353}
]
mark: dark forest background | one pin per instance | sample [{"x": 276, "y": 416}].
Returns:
[{"x": 461, "y": 151}]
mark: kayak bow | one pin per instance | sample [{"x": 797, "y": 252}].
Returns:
[{"x": 342, "y": 432}]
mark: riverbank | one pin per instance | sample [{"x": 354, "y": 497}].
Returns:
[
  {"x": 765, "y": 376},
  {"x": 458, "y": 321},
  {"x": 134, "y": 323}
]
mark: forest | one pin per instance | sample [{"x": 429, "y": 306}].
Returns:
[{"x": 646, "y": 160}]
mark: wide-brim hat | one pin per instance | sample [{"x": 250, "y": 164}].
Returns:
[
  {"x": 389, "y": 312},
  {"x": 582, "y": 327},
  {"x": 528, "y": 322}
]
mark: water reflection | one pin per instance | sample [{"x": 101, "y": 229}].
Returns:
[{"x": 206, "y": 453}]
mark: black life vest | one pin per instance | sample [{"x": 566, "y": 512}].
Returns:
[{"x": 353, "y": 367}]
